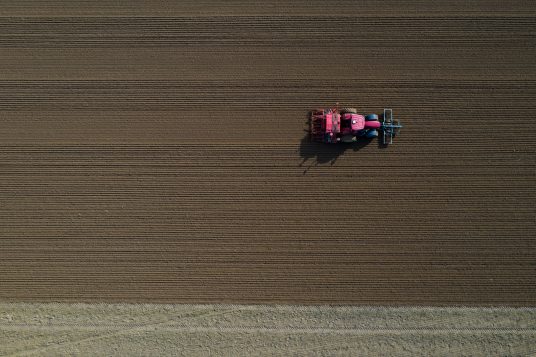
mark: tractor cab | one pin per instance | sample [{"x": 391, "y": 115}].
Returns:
[{"x": 351, "y": 123}]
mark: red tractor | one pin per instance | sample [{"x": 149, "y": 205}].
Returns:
[{"x": 332, "y": 126}]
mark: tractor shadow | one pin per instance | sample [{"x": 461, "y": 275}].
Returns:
[{"x": 314, "y": 154}]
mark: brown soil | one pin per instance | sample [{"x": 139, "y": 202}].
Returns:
[
  {"x": 159, "y": 154},
  {"x": 35, "y": 329}
]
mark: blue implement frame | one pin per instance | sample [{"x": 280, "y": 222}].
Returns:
[{"x": 390, "y": 127}]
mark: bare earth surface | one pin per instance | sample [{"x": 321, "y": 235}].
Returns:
[
  {"x": 157, "y": 153},
  {"x": 238, "y": 330}
]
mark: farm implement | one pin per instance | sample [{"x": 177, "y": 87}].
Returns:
[{"x": 333, "y": 126}]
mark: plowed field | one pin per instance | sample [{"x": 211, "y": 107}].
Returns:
[{"x": 159, "y": 153}]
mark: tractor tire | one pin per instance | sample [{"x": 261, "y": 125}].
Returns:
[
  {"x": 348, "y": 110},
  {"x": 347, "y": 138},
  {"x": 371, "y": 117},
  {"x": 372, "y": 134}
]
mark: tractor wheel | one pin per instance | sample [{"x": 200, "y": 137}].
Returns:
[
  {"x": 371, "y": 117},
  {"x": 372, "y": 134},
  {"x": 348, "y": 110},
  {"x": 347, "y": 138}
]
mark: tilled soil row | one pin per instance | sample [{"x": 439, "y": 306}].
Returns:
[{"x": 151, "y": 156}]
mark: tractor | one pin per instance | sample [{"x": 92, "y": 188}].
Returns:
[{"x": 333, "y": 126}]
